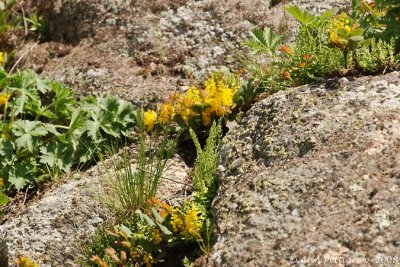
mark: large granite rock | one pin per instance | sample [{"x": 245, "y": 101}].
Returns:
[{"x": 313, "y": 173}]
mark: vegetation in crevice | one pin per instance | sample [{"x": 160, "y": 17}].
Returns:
[{"x": 156, "y": 227}]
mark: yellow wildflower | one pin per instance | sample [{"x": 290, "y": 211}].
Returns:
[
  {"x": 150, "y": 117},
  {"x": 215, "y": 98},
  {"x": 148, "y": 260},
  {"x": 166, "y": 113},
  {"x": 156, "y": 236},
  {"x": 218, "y": 99},
  {"x": 193, "y": 95},
  {"x": 336, "y": 40},
  {"x": 1, "y": 58},
  {"x": 192, "y": 221},
  {"x": 4, "y": 98},
  {"x": 1, "y": 182},
  {"x": 182, "y": 109},
  {"x": 176, "y": 220},
  {"x": 25, "y": 262}
]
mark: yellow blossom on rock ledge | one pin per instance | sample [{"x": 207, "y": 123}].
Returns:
[
  {"x": 200, "y": 105},
  {"x": 187, "y": 221},
  {"x": 192, "y": 221}
]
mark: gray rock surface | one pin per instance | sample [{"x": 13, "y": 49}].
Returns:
[
  {"x": 319, "y": 179},
  {"x": 143, "y": 51}
]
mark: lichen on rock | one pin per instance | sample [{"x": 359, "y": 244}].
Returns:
[{"x": 321, "y": 177}]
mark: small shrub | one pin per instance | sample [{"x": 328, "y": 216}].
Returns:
[
  {"x": 205, "y": 170},
  {"x": 155, "y": 229},
  {"x": 45, "y": 131},
  {"x": 378, "y": 56},
  {"x": 391, "y": 20},
  {"x": 128, "y": 188},
  {"x": 7, "y": 19},
  {"x": 326, "y": 45}
]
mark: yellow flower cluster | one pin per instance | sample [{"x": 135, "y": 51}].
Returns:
[
  {"x": 1, "y": 58},
  {"x": 188, "y": 223},
  {"x": 150, "y": 118},
  {"x": 176, "y": 220},
  {"x": 342, "y": 30},
  {"x": 192, "y": 221},
  {"x": 4, "y": 98},
  {"x": 156, "y": 236},
  {"x": 25, "y": 262},
  {"x": 340, "y": 22},
  {"x": 148, "y": 260},
  {"x": 214, "y": 99}
]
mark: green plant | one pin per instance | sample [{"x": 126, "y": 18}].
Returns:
[
  {"x": 156, "y": 228},
  {"x": 45, "y": 131},
  {"x": 345, "y": 35},
  {"x": 263, "y": 41},
  {"x": 308, "y": 21},
  {"x": 37, "y": 23},
  {"x": 205, "y": 169},
  {"x": 128, "y": 188},
  {"x": 391, "y": 20},
  {"x": 7, "y": 19},
  {"x": 307, "y": 58},
  {"x": 378, "y": 56},
  {"x": 326, "y": 45}
]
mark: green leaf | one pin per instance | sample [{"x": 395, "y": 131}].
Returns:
[
  {"x": 21, "y": 175},
  {"x": 125, "y": 231},
  {"x": 42, "y": 85},
  {"x": 87, "y": 148},
  {"x": 28, "y": 133},
  {"x": 76, "y": 128},
  {"x": 148, "y": 220},
  {"x": 156, "y": 215},
  {"x": 264, "y": 41},
  {"x": 303, "y": 17},
  {"x": 343, "y": 33},
  {"x": 63, "y": 100},
  {"x": 356, "y": 38},
  {"x": 7, "y": 152},
  {"x": 57, "y": 155},
  {"x": 93, "y": 127},
  {"x": 3, "y": 199},
  {"x": 357, "y": 32},
  {"x": 164, "y": 229}
]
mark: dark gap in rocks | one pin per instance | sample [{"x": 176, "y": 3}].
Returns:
[
  {"x": 176, "y": 254},
  {"x": 186, "y": 148}
]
